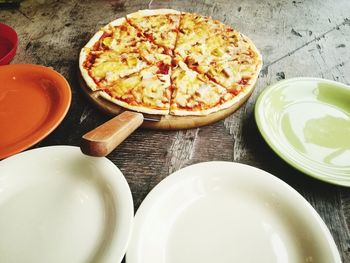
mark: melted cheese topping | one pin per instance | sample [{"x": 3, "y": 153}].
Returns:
[
  {"x": 122, "y": 38},
  {"x": 162, "y": 29},
  {"x": 223, "y": 54},
  {"x": 123, "y": 50},
  {"x": 109, "y": 66},
  {"x": 127, "y": 39},
  {"x": 206, "y": 50},
  {"x": 232, "y": 74},
  {"x": 190, "y": 91},
  {"x": 146, "y": 88},
  {"x": 194, "y": 28}
]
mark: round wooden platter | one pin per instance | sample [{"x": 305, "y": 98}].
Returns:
[{"x": 167, "y": 122}]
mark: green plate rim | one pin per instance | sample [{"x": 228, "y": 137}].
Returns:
[{"x": 275, "y": 148}]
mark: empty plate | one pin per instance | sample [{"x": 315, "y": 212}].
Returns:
[
  {"x": 306, "y": 121},
  {"x": 58, "y": 205},
  {"x": 228, "y": 212},
  {"x": 33, "y": 101}
]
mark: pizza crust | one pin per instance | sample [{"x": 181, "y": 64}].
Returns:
[
  {"x": 255, "y": 50},
  {"x": 82, "y": 57},
  {"x": 85, "y": 74},
  {"x": 123, "y": 104},
  {"x": 117, "y": 22}
]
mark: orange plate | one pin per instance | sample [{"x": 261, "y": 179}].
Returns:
[{"x": 33, "y": 101}]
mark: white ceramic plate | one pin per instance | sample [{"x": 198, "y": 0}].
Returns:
[
  {"x": 228, "y": 212},
  {"x": 58, "y": 205}
]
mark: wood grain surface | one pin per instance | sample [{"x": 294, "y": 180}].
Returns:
[{"x": 296, "y": 38}]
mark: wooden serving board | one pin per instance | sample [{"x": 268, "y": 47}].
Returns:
[{"x": 167, "y": 122}]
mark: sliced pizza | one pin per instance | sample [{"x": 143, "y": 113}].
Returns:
[
  {"x": 125, "y": 38},
  {"x": 109, "y": 66},
  {"x": 167, "y": 62},
  {"x": 227, "y": 57},
  {"x": 194, "y": 29},
  {"x": 194, "y": 94},
  {"x": 146, "y": 91},
  {"x": 233, "y": 75},
  {"x": 219, "y": 46},
  {"x": 159, "y": 26},
  {"x": 118, "y": 35},
  {"x": 118, "y": 50},
  {"x": 225, "y": 46}
]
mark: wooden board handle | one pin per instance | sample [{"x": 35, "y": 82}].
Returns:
[{"x": 106, "y": 137}]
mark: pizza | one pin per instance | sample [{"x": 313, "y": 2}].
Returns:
[
  {"x": 147, "y": 91},
  {"x": 169, "y": 62}
]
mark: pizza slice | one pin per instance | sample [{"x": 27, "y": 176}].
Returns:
[
  {"x": 194, "y": 94},
  {"x": 214, "y": 47},
  {"x": 234, "y": 75},
  {"x": 117, "y": 35},
  {"x": 124, "y": 38},
  {"x": 145, "y": 91},
  {"x": 224, "y": 46},
  {"x": 116, "y": 51},
  {"x": 194, "y": 29},
  {"x": 228, "y": 58},
  {"x": 105, "y": 67},
  {"x": 159, "y": 26}
]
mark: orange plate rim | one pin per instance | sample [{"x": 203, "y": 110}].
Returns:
[{"x": 63, "y": 106}]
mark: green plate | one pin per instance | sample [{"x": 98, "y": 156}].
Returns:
[{"x": 306, "y": 121}]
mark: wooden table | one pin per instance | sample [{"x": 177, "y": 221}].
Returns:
[{"x": 296, "y": 38}]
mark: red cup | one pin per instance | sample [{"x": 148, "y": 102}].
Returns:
[{"x": 8, "y": 43}]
